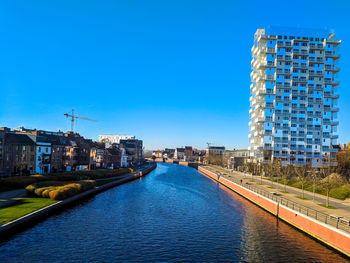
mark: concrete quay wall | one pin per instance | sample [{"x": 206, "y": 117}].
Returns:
[
  {"x": 329, "y": 235},
  {"x": 28, "y": 220}
]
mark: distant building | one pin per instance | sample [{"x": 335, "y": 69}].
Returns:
[
  {"x": 114, "y": 138},
  {"x": 179, "y": 153},
  {"x": 133, "y": 149},
  {"x": 215, "y": 150},
  {"x": 169, "y": 153},
  {"x": 188, "y": 153},
  {"x": 123, "y": 158},
  {"x": 235, "y": 159}
]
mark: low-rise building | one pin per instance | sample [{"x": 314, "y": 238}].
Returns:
[
  {"x": 133, "y": 149},
  {"x": 114, "y": 138},
  {"x": 18, "y": 155},
  {"x": 42, "y": 155},
  {"x": 179, "y": 153},
  {"x": 236, "y": 159},
  {"x": 215, "y": 150}
]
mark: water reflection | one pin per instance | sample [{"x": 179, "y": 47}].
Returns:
[{"x": 173, "y": 214}]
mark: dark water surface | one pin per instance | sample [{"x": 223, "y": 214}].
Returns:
[{"x": 174, "y": 214}]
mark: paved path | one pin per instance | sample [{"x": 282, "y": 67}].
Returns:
[
  {"x": 343, "y": 208},
  {"x": 11, "y": 196}
]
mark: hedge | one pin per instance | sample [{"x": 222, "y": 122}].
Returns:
[
  {"x": 60, "y": 190},
  {"x": 23, "y": 181}
]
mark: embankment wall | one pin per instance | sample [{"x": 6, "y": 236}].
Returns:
[{"x": 329, "y": 235}]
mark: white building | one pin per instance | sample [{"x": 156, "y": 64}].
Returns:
[
  {"x": 124, "y": 158},
  {"x": 294, "y": 96},
  {"x": 114, "y": 138},
  {"x": 43, "y": 157}
]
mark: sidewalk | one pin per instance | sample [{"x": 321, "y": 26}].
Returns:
[
  {"x": 343, "y": 208},
  {"x": 11, "y": 196}
]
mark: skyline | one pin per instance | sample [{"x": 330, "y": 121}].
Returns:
[{"x": 170, "y": 74}]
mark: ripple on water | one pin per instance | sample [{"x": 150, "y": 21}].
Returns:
[{"x": 173, "y": 214}]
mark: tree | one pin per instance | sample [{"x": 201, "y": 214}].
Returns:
[
  {"x": 277, "y": 168},
  {"x": 104, "y": 140},
  {"x": 153, "y": 157},
  {"x": 285, "y": 173},
  {"x": 329, "y": 180},
  {"x": 268, "y": 168},
  {"x": 301, "y": 172},
  {"x": 216, "y": 159},
  {"x": 315, "y": 176}
]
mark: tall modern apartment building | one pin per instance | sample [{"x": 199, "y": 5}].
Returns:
[{"x": 294, "y": 93}]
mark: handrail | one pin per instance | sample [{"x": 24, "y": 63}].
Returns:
[{"x": 335, "y": 221}]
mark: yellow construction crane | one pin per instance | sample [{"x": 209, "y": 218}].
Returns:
[{"x": 73, "y": 117}]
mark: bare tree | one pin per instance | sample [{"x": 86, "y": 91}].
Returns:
[
  {"x": 277, "y": 168},
  {"x": 329, "y": 180},
  {"x": 315, "y": 176},
  {"x": 301, "y": 172},
  {"x": 268, "y": 168},
  {"x": 285, "y": 173}
]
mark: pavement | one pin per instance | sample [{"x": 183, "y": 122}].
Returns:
[
  {"x": 11, "y": 196},
  {"x": 342, "y": 207}
]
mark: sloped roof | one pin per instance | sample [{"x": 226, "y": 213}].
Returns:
[{"x": 13, "y": 138}]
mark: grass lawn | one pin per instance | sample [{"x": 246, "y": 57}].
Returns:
[
  {"x": 22, "y": 207},
  {"x": 330, "y": 207},
  {"x": 285, "y": 192}
]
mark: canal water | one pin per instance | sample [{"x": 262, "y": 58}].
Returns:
[{"x": 174, "y": 214}]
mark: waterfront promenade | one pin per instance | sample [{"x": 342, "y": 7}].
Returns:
[{"x": 342, "y": 208}]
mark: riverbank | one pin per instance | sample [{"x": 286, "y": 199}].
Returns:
[
  {"x": 30, "y": 219},
  {"x": 300, "y": 219},
  {"x": 327, "y": 229}
]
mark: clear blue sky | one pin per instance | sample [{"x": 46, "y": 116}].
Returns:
[{"x": 172, "y": 73}]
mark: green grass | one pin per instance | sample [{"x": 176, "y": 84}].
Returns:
[
  {"x": 285, "y": 192},
  {"x": 271, "y": 187},
  {"x": 22, "y": 207},
  {"x": 302, "y": 198},
  {"x": 342, "y": 192},
  {"x": 330, "y": 207}
]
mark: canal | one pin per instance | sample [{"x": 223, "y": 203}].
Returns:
[{"x": 172, "y": 214}]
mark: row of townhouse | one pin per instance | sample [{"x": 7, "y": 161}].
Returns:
[
  {"x": 186, "y": 153},
  {"x": 30, "y": 151}
]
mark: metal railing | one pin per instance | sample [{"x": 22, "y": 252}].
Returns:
[{"x": 331, "y": 220}]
